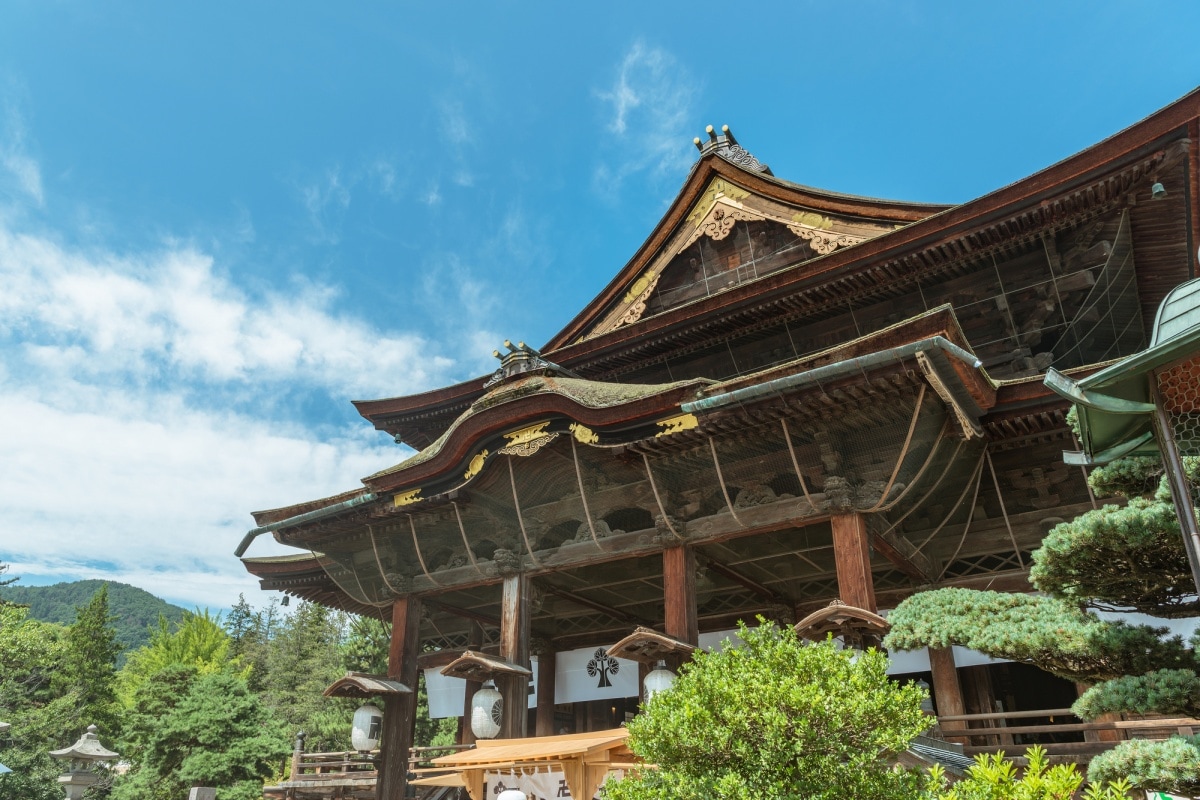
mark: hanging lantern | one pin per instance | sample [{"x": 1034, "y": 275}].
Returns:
[
  {"x": 487, "y": 712},
  {"x": 659, "y": 680},
  {"x": 512, "y": 794},
  {"x": 364, "y": 732}
]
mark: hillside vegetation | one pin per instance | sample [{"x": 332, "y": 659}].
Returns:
[{"x": 134, "y": 610}]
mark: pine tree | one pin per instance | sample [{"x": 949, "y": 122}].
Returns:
[
  {"x": 191, "y": 729},
  {"x": 1115, "y": 557},
  {"x": 777, "y": 718}
]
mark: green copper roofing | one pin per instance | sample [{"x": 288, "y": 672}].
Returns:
[
  {"x": 1114, "y": 404},
  {"x": 591, "y": 394}
]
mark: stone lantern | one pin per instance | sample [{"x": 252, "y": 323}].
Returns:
[{"x": 82, "y": 755}]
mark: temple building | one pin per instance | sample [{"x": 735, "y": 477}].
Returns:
[{"x": 787, "y": 397}]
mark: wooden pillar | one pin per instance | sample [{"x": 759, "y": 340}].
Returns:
[
  {"x": 474, "y": 642},
  {"x": 852, "y": 555},
  {"x": 514, "y": 647},
  {"x": 399, "y": 711},
  {"x": 947, "y": 693},
  {"x": 545, "y": 695},
  {"x": 679, "y": 594}
]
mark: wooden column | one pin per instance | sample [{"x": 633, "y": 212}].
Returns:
[
  {"x": 514, "y": 647},
  {"x": 679, "y": 594},
  {"x": 852, "y": 555},
  {"x": 474, "y": 642},
  {"x": 545, "y": 695},
  {"x": 399, "y": 711},
  {"x": 947, "y": 693}
]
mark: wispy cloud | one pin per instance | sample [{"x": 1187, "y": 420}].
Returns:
[
  {"x": 649, "y": 105},
  {"x": 23, "y": 170},
  {"x": 326, "y": 201},
  {"x": 455, "y": 127}
]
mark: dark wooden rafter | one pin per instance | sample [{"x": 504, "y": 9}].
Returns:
[
  {"x": 764, "y": 592},
  {"x": 903, "y": 554},
  {"x": 580, "y": 600},
  {"x": 474, "y": 616}
]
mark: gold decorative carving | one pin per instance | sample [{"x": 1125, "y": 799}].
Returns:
[
  {"x": 811, "y": 219},
  {"x": 671, "y": 425},
  {"x": 719, "y": 188},
  {"x": 475, "y": 465},
  {"x": 406, "y": 498},
  {"x": 584, "y": 434},
  {"x": 642, "y": 287},
  {"x": 527, "y": 441},
  {"x": 638, "y": 295},
  {"x": 824, "y": 243},
  {"x": 719, "y": 222}
]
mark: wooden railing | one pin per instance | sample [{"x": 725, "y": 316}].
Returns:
[
  {"x": 334, "y": 766},
  {"x": 353, "y": 764},
  {"x": 1064, "y": 736}
]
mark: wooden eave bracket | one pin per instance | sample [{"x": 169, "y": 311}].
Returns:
[
  {"x": 648, "y": 646},
  {"x": 474, "y": 666}
]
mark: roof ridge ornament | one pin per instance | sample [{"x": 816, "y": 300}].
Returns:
[
  {"x": 728, "y": 148},
  {"x": 521, "y": 359}
]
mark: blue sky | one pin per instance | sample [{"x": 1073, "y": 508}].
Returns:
[{"x": 220, "y": 224}]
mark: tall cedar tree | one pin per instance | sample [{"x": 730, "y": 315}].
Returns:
[
  {"x": 1127, "y": 556},
  {"x": 89, "y": 668}
]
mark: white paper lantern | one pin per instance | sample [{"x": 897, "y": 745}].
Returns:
[
  {"x": 364, "y": 731},
  {"x": 512, "y": 794},
  {"x": 659, "y": 680},
  {"x": 487, "y": 712}
]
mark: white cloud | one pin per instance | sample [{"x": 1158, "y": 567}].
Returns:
[
  {"x": 138, "y": 412},
  {"x": 649, "y": 104},
  {"x": 151, "y": 492},
  {"x": 171, "y": 311}
]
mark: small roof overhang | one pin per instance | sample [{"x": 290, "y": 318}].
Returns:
[
  {"x": 475, "y": 666},
  {"x": 362, "y": 685},
  {"x": 647, "y": 646},
  {"x": 841, "y": 620}
]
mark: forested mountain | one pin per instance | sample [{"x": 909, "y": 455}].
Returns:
[{"x": 133, "y": 610}]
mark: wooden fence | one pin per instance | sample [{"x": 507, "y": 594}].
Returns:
[{"x": 1064, "y": 736}]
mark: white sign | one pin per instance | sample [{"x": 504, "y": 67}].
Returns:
[
  {"x": 715, "y": 641},
  {"x": 447, "y": 696},
  {"x": 592, "y": 674},
  {"x": 550, "y": 785}
]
